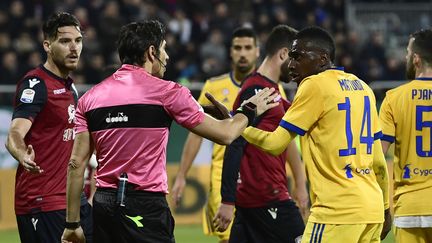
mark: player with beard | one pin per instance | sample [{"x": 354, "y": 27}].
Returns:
[
  {"x": 406, "y": 118},
  {"x": 265, "y": 212},
  {"x": 41, "y": 135},
  {"x": 244, "y": 54}
]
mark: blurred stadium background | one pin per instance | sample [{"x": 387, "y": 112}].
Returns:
[{"x": 371, "y": 39}]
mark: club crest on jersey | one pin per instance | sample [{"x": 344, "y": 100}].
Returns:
[
  {"x": 27, "y": 96},
  {"x": 71, "y": 113},
  {"x": 33, "y": 82}
]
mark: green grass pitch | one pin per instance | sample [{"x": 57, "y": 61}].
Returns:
[{"x": 183, "y": 234}]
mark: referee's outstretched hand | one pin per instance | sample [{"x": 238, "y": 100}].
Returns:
[
  {"x": 217, "y": 110},
  {"x": 73, "y": 236}
]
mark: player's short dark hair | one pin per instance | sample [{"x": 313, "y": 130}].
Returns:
[
  {"x": 320, "y": 38},
  {"x": 244, "y": 32},
  {"x": 422, "y": 44},
  {"x": 56, "y": 21},
  {"x": 281, "y": 36},
  {"x": 136, "y": 37}
]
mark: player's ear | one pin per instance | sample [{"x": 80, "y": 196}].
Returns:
[
  {"x": 47, "y": 46},
  {"x": 416, "y": 59},
  {"x": 283, "y": 54},
  {"x": 151, "y": 53}
]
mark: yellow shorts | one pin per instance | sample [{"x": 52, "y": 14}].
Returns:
[
  {"x": 209, "y": 211},
  {"x": 413, "y": 235},
  {"x": 342, "y": 233}
]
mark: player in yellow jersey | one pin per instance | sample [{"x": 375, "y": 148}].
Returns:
[
  {"x": 244, "y": 53},
  {"x": 335, "y": 114},
  {"x": 406, "y": 119}
]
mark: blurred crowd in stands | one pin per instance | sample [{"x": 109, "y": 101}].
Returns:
[{"x": 197, "y": 38}]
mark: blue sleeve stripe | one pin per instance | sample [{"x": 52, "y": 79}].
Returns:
[
  {"x": 378, "y": 135},
  {"x": 388, "y": 138},
  {"x": 290, "y": 127}
]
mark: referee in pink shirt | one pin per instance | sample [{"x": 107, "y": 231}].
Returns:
[{"x": 126, "y": 119}]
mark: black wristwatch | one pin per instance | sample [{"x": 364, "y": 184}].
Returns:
[
  {"x": 249, "y": 110},
  {"x": 72, "y": 225}
]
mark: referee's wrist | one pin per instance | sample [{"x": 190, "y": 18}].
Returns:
[
  {"x": 249, "y": 110},
  {"x": 72, "y": 225}
]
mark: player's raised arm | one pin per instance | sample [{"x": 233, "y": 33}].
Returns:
[{"x": 225, "y": 131}]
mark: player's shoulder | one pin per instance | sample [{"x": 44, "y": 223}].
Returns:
[
  {"x": 399, "y": 90},
  {"x": 220, "y": 78}
]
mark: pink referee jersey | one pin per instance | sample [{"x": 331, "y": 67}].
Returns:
[{"x": 129, "y": 115}]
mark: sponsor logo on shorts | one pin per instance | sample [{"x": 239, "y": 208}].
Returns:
[{"x": 273, "y": 212}]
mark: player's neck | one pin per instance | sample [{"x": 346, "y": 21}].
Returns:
[
  {"x": 424, "y": 73},
  {"x": 52, "y": 67},
  {"x": 270, "y": 70},
  {"x": 240, "y": 76}
]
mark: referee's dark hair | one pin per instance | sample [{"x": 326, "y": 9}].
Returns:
[
  {"x": 319, "y": 38},
  {"x": 135, "y": 38},
  {"x": 57, "y": 20},
  {"x": 245, "y": 32},
  {"x": 280, "y": 36},
  {"x": 422, "y": 45}
]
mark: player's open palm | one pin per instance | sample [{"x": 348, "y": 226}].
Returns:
[
  {"x": 28, "y": 162},
  {"x": 217, "y": 109},
  {"x": 223, "y": 217},
  {"x": 73, "y": 236}
]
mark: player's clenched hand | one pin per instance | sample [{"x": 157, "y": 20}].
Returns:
[
  {"x": 177, "y": 190},
  {"x": 387, "y": 224},
  {"x": 217, "y": 110},
  {"x": 73, "y": 236},
  {"x": 28, "y": 162},
  {"x": 264, "y": 100},
  {"x": 223, "y": 217}
]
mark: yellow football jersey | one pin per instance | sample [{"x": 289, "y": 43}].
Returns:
[
  {"x": 406, "y": 120},
  {"x": 224, "y": 89},
  {"x": 336, "y": 116}
]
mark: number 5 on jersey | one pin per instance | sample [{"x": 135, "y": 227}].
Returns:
[{"x": 420, "y": 125}]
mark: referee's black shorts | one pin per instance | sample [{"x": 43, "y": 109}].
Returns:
[
  {"x": 145, "y": 218},
  {"x": 280, "y": 222}
]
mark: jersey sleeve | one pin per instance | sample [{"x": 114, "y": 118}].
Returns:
[
  {"x": 234, "y": 153},
  {"x": 81, "y": 124},
  {"x": 306, "y": 109},
  {"x": 202, "y": 100},
  {"x": 30, "y": 98},
  {"x": 183, "y": 107},
  {"x": 387, "y": 121}
]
